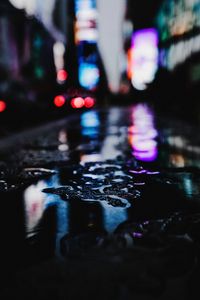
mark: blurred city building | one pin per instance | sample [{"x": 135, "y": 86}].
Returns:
[{"x": 80, "y": 48}]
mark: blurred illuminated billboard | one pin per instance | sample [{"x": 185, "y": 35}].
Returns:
[
  {"x": 86, "y": 37},
  {"x": 176, "y": 18},
  {"x": 178, "y": 23},
  {"x": 143, "y": 58},
  {"x": 86, "y": 19}
]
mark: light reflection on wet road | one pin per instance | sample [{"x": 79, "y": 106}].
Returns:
[{"x": 124, "y": 165}]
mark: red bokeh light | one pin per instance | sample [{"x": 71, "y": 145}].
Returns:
[
  {"x": 2, "y": 106},
  {"x": 89, "y": 102},
  {"x": 77, "y": 102},
  {"x": 59, "y": 101},
  {"x": 62, "y": 75}
]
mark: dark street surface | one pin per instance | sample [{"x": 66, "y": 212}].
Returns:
[{"x": 101, "y": 205}]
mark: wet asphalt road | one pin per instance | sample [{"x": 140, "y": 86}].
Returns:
[{"x": 103, "y": 204}]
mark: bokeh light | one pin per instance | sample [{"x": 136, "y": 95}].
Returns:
[
  {"x": 2, "y": 106},
  {"x": 89, "y": 102},
  {"x": 62, "y": 75},
  {"x": 77, "y": 102},
  {"x": 59, "y": 101}
]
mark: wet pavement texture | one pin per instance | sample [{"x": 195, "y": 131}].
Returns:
[{"x": 103, "y": 205}]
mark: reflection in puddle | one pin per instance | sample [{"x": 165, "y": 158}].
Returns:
[
  {"x": 113, "y": 217},
  {"x": 142, "y": 134},
  {"x": 188, "y": 185},
  {"x": 177, "y": 160},
  {"x": 97, "y": 182},
  {"x": 90, "y": 124},
  {"x": 62, "y": 223},
  {"x": 93, "y": 176},
  {"x": 90, "y": 158},
  {"x": 109, "y": 148},
  {"x": 63, "y": 147},
  {"x": 90, "y": 119},
  {"x": 112, "y": 143},
  {"x": 36, "y": 203},
  {"x": 34, "y": 206},
  {"x": 62, "y": 138}
]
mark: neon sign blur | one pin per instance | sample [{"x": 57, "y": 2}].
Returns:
[
  {"x": 144, "y": 57},
  {"x": 176, "y": 18},
  {"x": 178, "y": 53},
  {"x": 86, "y": 18},
  {"x": 142, "y": 134},
  {"x": 86, "y": 36},
  {"x": 88, "y": 75}
]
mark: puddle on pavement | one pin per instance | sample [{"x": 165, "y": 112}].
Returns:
[{"x": 109, "y": 181}]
